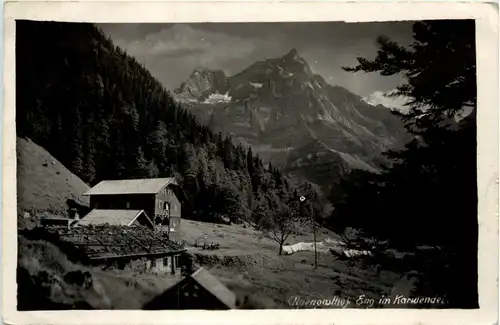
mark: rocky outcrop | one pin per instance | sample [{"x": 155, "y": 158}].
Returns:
[{"x": 202, "y": 83}]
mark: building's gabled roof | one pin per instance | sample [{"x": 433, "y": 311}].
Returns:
[
  {"x": 112, "y": 217},
  {"x": 98, "y": 242},
  {"x": 131, "y": 186},
  {"x": 215, "y": 287}
]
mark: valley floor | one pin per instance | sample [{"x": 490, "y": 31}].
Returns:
[{"x": 250, "y": 266}]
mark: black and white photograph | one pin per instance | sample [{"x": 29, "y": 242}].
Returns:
[{"x": 246, "y": 165}]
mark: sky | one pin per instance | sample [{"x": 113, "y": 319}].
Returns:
[{"x": 172, "y": 51}]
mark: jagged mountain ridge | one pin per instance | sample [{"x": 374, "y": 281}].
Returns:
[{"x": 293, "y": 118}]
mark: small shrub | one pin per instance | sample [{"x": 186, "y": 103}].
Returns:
[{"x": 78, "y": 278}]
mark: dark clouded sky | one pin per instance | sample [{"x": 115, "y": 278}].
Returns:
[{"x": 172, "y": 51}]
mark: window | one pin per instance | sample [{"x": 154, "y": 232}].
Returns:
[
  {"x": 166, "y": 206},
  {"x": 153, "y": 263},
  {"x": 165, "y": 261},
  {"x": 159, "y": 204},
  {"x": 127, "y": 205}
]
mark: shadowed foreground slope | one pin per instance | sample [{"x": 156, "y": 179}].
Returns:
[{"x": 47, "y": 280}]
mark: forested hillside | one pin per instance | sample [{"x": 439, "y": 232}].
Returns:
[{"x": 104, "y": 116}]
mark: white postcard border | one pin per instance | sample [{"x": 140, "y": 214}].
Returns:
[{"x": 486, "y": 16}]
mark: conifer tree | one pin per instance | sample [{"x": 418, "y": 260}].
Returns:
[{"x": 412, "y": 198}]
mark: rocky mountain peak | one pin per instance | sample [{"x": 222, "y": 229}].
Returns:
[
  {"x": 293, "y": 63},
  {"x": 206, "y": 72},
  {"x": 295, "y": 119},
  {"x": 292, "y": 55},
  {"x": 201, "y": 83}
]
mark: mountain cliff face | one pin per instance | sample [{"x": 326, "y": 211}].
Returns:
[
  {"x": 293, "y": 118},
  {"x": 200, "y": 84}
]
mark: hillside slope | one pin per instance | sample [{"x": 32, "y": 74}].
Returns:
[
  {"x": 293, "y": 118},
  {"x": 43, "y": 183}
]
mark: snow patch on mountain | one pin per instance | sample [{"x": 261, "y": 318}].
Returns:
[
  {"x": 218, "y": 98},
  {"x": 382, "y": 98}
]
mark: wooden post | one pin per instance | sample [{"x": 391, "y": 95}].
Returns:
[{"x": 302, "y": 199}]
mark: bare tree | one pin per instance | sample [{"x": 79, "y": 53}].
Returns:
[{"x": 280, "y": 223}]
